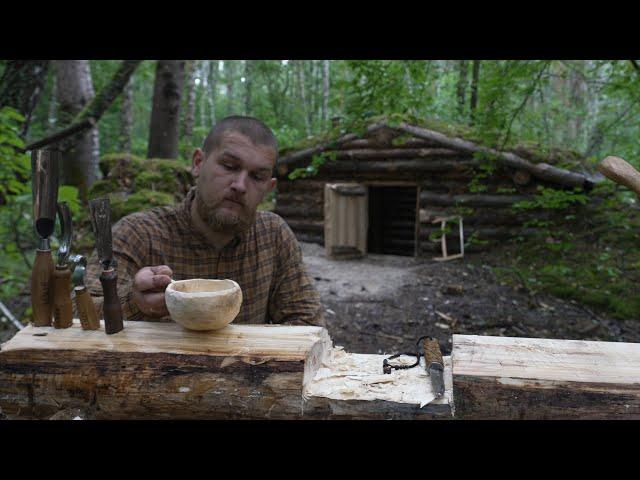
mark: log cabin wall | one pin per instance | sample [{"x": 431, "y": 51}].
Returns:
[{"x": 449, "y": 182}]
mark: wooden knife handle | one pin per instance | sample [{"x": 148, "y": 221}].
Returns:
[
  {"x": 62, "y": 308},
  {"x": 432, "y": 353},
  {"x": 618, "y": 170},
  {"x": 111, "y": 307},
  {"x": 42, "y": 288},
  {"x": 86, "y": 309}
]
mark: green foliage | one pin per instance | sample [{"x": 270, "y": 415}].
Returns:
[
  {"x": 14, "y": 166},
  {"x": 553, "y": 199},
  {"x": 312, "y": 169},
  {"x": 143, "y": 199}
]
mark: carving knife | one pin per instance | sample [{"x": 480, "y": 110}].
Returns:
[
  {"x": 44, "y": 185},
  {"x": 435, "y": 365},
  {"x": 84, "y": 304},
  {"x": 62, "y": 308},
  {"x": 101, "y": 222}
]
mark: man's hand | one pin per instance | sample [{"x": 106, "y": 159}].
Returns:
[{"x": 149, "y": 285}]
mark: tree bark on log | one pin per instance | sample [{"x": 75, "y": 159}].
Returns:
[
  {"x": 399, "y": 166},
  {"x": 153, "y": 370},
  {"x": 300, "y": 185},
  {"x": 309, "y": 152},
  {"x": 21, "y": 84},
  {"x": 479, "y": 200},
  {"x": 305, "y": 225},
  {"x": 310, "y": 211},
  {"x": 540, "y": 170},
  {"x": 164, "y": 130},
  {"x": 540, "y": 379},
  {"x": 396, "y": 153},
  {"x": 310, "y": 237}
]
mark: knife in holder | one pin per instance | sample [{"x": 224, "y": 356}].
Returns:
[
  {"x": 62, "y": 307},
  {"x": 44, "y": 170},
  {"x": 101, "y": 222}
]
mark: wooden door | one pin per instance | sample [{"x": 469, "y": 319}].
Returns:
[{"x": 345, "y": 220}]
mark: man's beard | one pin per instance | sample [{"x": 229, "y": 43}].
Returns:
[{"x": 226, "y": 222}]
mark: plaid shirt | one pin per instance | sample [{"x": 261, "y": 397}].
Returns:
[{"x": 266, "y": 261}]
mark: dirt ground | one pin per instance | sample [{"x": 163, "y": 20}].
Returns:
[{"x": 384, "y": 303}]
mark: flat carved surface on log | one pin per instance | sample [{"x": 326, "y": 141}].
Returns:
[
  {"x": 155, "y": 370},
  {"x": 278, "y": 342},
  {"x": 531, "y": 378}
]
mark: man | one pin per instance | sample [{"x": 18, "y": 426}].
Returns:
[{"x": 217, "y": 232}]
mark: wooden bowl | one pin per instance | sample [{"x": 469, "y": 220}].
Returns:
[{"x": 201, "y": 304}]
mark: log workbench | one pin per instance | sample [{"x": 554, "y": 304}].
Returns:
[
  {"x": 155, "y": 370},
  {"x": 162, "y": 371}
]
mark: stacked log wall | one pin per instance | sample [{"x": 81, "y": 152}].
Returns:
[{"x": 445, "y": 178}]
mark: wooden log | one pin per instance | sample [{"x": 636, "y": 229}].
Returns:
[
  {"x": 371, "y": 143},
  {"x": 540, "y": 170},
  {"x": 311, "y": 211},
  {"x": 310, "y": 237},
  {"x": 389, "y": 153},
  {"x": 153, "y": 370},
  {"x": 522, "y": 178},
  {"x": 293, "y": 157},
  {"x": 530, "y": 378},
  {"x": 480, "y": 232},
  {"x": 480, "y": 200},
  {"x": 298, "y": 185},
  {"x": 305, "y": 225},
  {"x": 315, "y": 198},
  {"x": 399, "y": 166}
]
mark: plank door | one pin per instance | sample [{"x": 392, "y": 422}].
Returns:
[{"x": 345, "y": 220}]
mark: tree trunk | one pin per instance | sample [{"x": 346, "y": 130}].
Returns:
[
  {"x": 80, "y": 153},
  {"x": 53, "y": 103},
  {"x": 205, "y": 77},
  {"x": 165, "y": 114},
  {"x": 303, "y": 95},
  {"x": 325, "y": 92},
  {"x": 461, "y": 89},
  {"x": 248, "y": 67},
  {"x": 475, "y": 77},
  {"x": 230, "y": 73},
  {"x": 21, "y": 84},
  {"x": 189, "y": 113},
  {"x": 214, "y": 70},
  {"x": 126, "y": 118}
]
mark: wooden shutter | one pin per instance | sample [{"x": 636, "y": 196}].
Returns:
[{"x": 345, "y": 220}]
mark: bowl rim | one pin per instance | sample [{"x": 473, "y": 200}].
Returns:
[{"x": 233, "y": 287}]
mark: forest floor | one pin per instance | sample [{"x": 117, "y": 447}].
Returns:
[{"x": 384, "y": 303}]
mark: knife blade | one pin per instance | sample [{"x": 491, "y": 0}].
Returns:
[
  {"x": 62, "y": 307},
  {"x": 101, "y": 222},
  {"x": 434, "y": 365}
]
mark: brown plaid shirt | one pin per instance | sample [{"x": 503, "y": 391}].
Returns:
[{"x": 266, "y": 261}]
